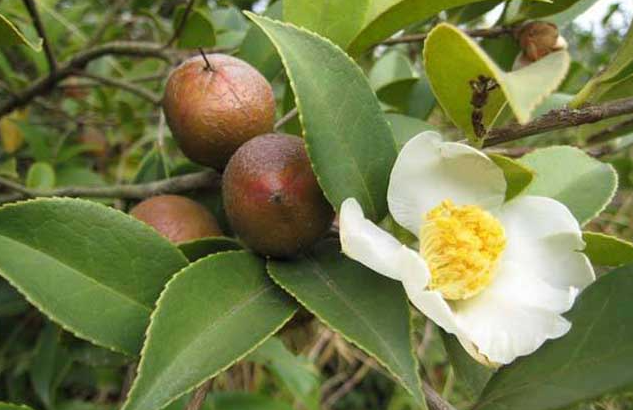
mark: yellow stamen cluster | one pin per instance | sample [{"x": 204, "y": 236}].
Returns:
[{"x": 461, "y": 246}]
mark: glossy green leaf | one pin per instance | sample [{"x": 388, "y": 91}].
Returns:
[
  {"x": 347, "y": 137},
  {"x": 393, "y": 78},
  {"x": 473, "y": 375},
  {"x": 593, "y": 359},
  {"x": 559, "y": 11},
  {"x": 41, "y": 175},
  {"x": 386, "y": 17},
  {"x": 607, "y": 250},
  {"x": 92, "y": 269},
  {"x": 452, "y": 60},
  {"x": 11, "y": 36},
  {"x": 337, "y": 20},
  {"x": 584, "y": 184},
  {"x": 368, "y": 309},
  {"x": 200, "y": 248},
  {"x": 297, "y": 373},
  {"x": 197, "y": 31},
  {"x": 620, "y": 68},
  {"x": 211, "y": 314},
  {"x": 258, "y": 51},
  {"x": 518, "y": 176},
  {"x": 404, "y": 128}
]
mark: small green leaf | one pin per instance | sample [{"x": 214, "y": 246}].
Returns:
[
  {"x": 471, "y": 373},
  {"x": 198, "y": 30},
  {"x": 593, "y": 359},
  {"x": 297, "y": 373},
  {"x": 404, "y": 128},
  {"x": 92, "y": 269},
  {"x": 211, "y": 314},
  {"x": 9, "y": 406},
  {"x": 620, "y": 68},
  {"x": 518, "y": 176},
  {"x": 347, "y": 136},
  {"x": 607, "y": 250},
  {"x": 11, "y": 36},
  {"x": 258, "y": 51},
  {"x": 559, "y": 12},
  {"x": 584, "y": 184},
  {"x": 41, "y": 175},
  {"x": 200, "y": 248},
  {"x": 452, "y": 60},
  {"x": 9, "y": 168},
  {"x": 368, "y": 309},
  {"x": 393, "y": 79},
  {"x": 337, "y": 20}
]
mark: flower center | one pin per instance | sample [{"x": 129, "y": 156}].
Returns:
[{"x": 461, "y": 246}]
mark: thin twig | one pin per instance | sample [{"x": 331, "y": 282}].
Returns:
[
  {"x": 349, "y": 384},
  {"x": 559, "y": 119},
  {"x": 106, "y": 22},
  {"x": 123, "y": 85},
  {"x": 492, "y": 32},
  {"x": 39, "y": 27},
  {"x": 205, "y": 179},
  {"x": 606, "y": 134},
  {"x": 199, "y": 395},
  {"x": 286, "y": 118},
  {"x": 434, "y": 400},
  {"x": 47, "y": 83},
  {"x": 181, "y": 25}
]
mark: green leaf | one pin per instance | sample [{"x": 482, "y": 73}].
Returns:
[
  {"x": 258, "y": 51},
  {"x": 11, "y": 36},
  {"x": 404, "y": 128},
  {"x": 200, "y": 248},
  {"x": 9, "y": 168},
  {"x": 558, "y": 12},
  {"x": 368, "y": 309},
  {"x": 452, "y": 59},
  {"x": 518, "y": 176},
  {"x": 41, "y": 175},
  {"x": 593, "y": 359},
  {"x": 246, "y": 401},
  {"x": 153, "y": 167},
  {"x": 393, "y": 79},
  {"x": 472, "y": 374},
  {"x": 50, "y": 364},
  {"x": 584, "y": 184},
  {"x": 211, "y": 314},
  {"x": 297, "y": 373},
  {"x": 91, "y": 269},
  {"x": 386, "y": 17},
  {"x": 347, "y": 137},
  {"x": 339, "y": 21},
  {"x": 607, "y": 250},
  {"x": 620, "y": 68},
  {"x": 10, "y": 406},
  {"x": 198, "y": 30}
]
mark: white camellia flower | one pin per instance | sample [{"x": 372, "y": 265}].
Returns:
[{"x": 496, "y": 274}]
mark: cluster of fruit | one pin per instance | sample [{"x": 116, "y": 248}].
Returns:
[{"x": 221, "y": 111}]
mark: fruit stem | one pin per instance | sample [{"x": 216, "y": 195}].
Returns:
[{"x": 209, "y": 67}]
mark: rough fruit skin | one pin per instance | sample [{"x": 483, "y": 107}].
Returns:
[
  {"x": 272, "y": 198},
  {"x": 177, "y": 218},
  {"x": 211, "y": 113}
]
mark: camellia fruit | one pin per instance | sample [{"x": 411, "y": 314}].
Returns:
[
  {"x": 213, "y": 104},
  {"x": 177, "y": 218},
  {"x": 272, "y": 198}
]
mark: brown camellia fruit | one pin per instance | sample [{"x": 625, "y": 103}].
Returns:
[
  {"x": 177, "y": 218},
  {"x": 272, "y": 198},
  {"x": 213, "y": 109}
]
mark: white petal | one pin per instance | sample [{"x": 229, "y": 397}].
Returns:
[
  {"x": 428, "y": 171},
  {"x": 543, "y": 235},
  {"x": 503, "y": 330},
  {"x": 366, "y": 243}
]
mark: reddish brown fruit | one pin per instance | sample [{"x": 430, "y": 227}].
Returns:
[
  {"x": 272, "y": 198},
  {"x": 538, "y": 39},
  {"x": 177, "y": 218},
  {"x": 212, "y": 111}
]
